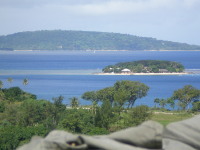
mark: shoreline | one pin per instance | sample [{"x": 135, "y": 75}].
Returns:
[
  {"x": 30, "y": 50},
  {"x": 174, "y": 73}
]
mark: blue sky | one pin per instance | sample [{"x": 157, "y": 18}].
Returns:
[{"x": 172, "y": 20}]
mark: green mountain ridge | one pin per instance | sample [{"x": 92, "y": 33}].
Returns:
[{"x": 85, "y": 40}]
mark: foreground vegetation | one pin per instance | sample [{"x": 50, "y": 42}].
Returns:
[
  {"x": 22, "y": 115},
  {"x": 84, "y": 40}
]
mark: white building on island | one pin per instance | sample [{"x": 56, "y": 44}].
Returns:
[{"x": 126, "y": 70}]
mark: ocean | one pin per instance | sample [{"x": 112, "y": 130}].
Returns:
[{"x": 70, "y": 73}]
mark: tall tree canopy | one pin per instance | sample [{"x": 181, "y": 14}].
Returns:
[
  {"x": 133, "y": 89},
  {"x": 122, "y": 92},
  {"x": 186, "y": 95}
]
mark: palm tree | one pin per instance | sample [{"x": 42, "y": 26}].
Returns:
[
  {"x": 10, "y": 80},
  {"x": 25, "y": 81},
  {"x": 156, "y": 101},
  {"x": 74, "y": 102}
]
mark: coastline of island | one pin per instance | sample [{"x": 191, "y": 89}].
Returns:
[
  {"x": 172, "y": 73},
  {"x": 145, "y": 67}
]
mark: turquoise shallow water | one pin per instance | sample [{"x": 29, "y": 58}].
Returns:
[{"x": 52, "y": 74}]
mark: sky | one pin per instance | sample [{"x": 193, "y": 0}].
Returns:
[{"x": 172, "y": 20}]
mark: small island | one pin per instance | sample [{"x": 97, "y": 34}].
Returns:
[{"x": 145, "y": 67}]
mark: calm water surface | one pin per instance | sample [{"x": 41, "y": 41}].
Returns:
[{"x": 52, "y": 74}]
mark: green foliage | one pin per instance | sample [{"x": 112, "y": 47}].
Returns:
[
  {"x": 29, "y": 113},
  {"x": 76, "y": 121},
  {"x": 122, "y": 92},
  {"x": 13, "y": 136},
  {"x": 156, "y": 101},
  {"x": 104, "y": 115},
  {"x": 137, "y": 115},
  {"x": 85, "y": 40},
  {"x": 91, "y": 96},
  {"x": 20, "y": 120},
  {"x": 2, "y": 106},
  {"x": 145, "y": 66},
  {"x": 22, "y": 115},
  {"x": 74, "y": 102},
  {"x": 2, "y": 95},
  {"x": 171, "y": 102},
  {"x": 196, "y": 106},
  {"x": 1, "y": 84},
  {"x": 186, "y": 95},
  {"x": 16, "y": 94},
  {"x": 11, "y": 115},
  {"x": 164, "y": 102},
  {"x": 10, "y": 80},
  {"x": 57, "y": 101},
  {"x": 134, "y": 90},
  {"x": 106, "y": 94},
  {"x": 33, "y": 112},
  {"x": 97, "y": 131}
]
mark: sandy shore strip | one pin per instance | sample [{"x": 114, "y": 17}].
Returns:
[{"x": 174, "y": 73}]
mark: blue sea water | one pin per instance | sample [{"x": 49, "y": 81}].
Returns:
[{"x": 51, "y": 74}]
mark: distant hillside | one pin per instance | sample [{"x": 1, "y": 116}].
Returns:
[{"x": 85, "y": 40}]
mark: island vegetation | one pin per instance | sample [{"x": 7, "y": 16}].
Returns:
[
  {"x": 85, "y": 40},
  {"x": 22, "y": 115},
  {"x": 145, "y": 66}
]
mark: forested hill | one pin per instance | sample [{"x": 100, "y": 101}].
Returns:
[{"x": 85, "y": 40}]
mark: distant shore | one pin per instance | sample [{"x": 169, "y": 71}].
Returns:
[
  {"x": 103, "y": 50},
  {"x": 30, "y": 50},
  {"x": 173, "y": 73}
]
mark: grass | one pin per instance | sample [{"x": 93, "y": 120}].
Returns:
[{"x": 168, "y": 117}]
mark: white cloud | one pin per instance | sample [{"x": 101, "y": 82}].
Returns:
[
  {"x": 115, "y": 7},
  {"x": 156, "y": 18},
  {"x": 101, "y": 7}
]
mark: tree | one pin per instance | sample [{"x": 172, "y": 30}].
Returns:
[
  {"x": 10, "y": 80},
  {"x": 16, "y": 94},
  {"x": 196, "y": 106},
  {"x": 74, "y": 102},
  {"x": 2, "y": 106},
  {"x": 122, "y": 92},
  {"x": 1, "y": 84},
  {"x": 59, "y": 108},
  {"x": 33, "y": 112},
  {"x": 106, "y": 94},
  {"x": 13, "y": 94},
  {"x": 104, "y": 115},
  {"x": 91, "y": 96},
  {"x": 134, "y": 90},
  {"x": 186, "y": 95},
  {"x": 156, "y": 101},
  {"x": 76, "y": 120},
  {"x": 171, "y": 102},
  {"x": 57, "y": 101},
  {"x": 137, "y": 115},
  {"x": 2, "y": 96},
  {"x": 120, "y": 98},
  {"x": 25, "y": 81},
  {"x": 162, "y": 102}
]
